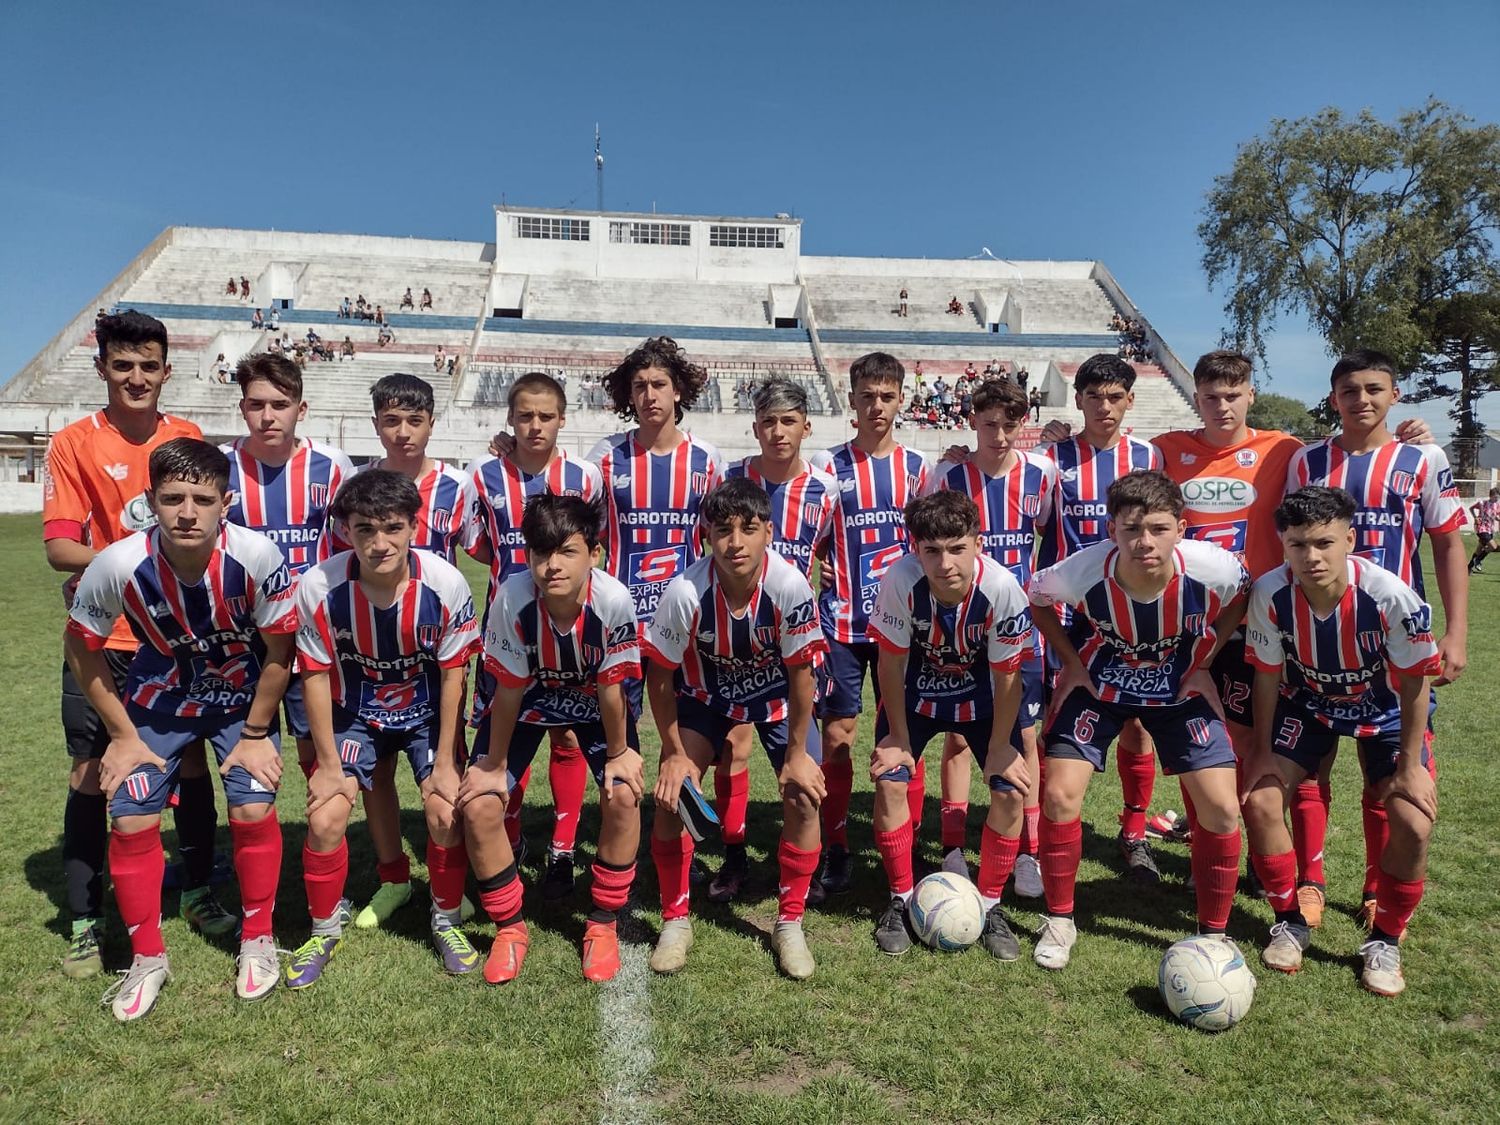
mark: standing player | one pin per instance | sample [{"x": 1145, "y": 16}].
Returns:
[
  {"x": 1148, "y": 613},
  {"x": 1486, "y": 514},
  {"x": 735, "y": 641},
  {"x": 953, "y": 631},
  {"x": 877, "y": 477},
  {"x": 212, "y": 606},
  {"x": 94, "y": 495},
  {"x": 1340, "y": 647},
  {"x": 561, "y": 640}
]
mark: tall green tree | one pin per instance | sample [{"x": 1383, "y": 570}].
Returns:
[
  {"x": 1282, "y": 412},
  {"x": 1462, "y": 362}
]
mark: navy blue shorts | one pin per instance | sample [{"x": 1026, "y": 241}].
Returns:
[
  {"x": 922, "y": 730},
  {"x": 361, "y": 746},
  {"x": 1033, "y": 678},
  {"x": 1188, "y": 735},
  {"x": 147, "y": 790},
  {"x": 1235, "y": 679},
  {"x": 842, "y": 678},
  {"x": 635, "y": 693},
  {"x": 528, "y": 736},
  {"x": 1302, "y": 739},
  {"x": 291, "y": 707},
  {"x": 714, "y": 728}
]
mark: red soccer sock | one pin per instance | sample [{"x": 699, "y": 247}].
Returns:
[
  {"x": 137, "y": 865},
  {"x": 397, "y": 870},
  {"x": 568, "y": 774},
  {"x": 955, "y": 817},
  {"x": 916, "y": 795},
  {"x": 997, "y": 858},
  {"x": 1310, "y": 803},
  {"x": 797, "y": 867},
  {"x": 732, "y": 803},
  {"x": 324, "y": 875},
  {"x": 447, "y": 868},
  {"x": 1377, "y": 835},
  {"x": 1031, "y": 830},
  {"x": 501, "y": 896},
  {"x": 1137, "y": 780},
  {"x": 1061, "y": 853},
  {"x": 1216, "y": 873},
  {"x": 611, "y": 888},
  {"x": 1278, "y": 875},
  {"x": 257, "y": 863},
  {"x": 513, "y": 809},
  {"x": 895, "y": 853},
  {"x": 839, "y": 777},
  {"x": 673, "y": 859},
  {"x": 1396, "y": 903}
]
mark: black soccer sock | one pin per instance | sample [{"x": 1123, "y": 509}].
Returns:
[
  {"x": 85, "y": 843},
  {"x": 197, "y": 825}
]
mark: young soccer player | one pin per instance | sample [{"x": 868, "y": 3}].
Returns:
[
  {"x": 532, "y": 465},
  {"x": 94, "y": 494},
  {"x": 1486, "y": 514},
  {"x": 735, "y": 641},
  {"x": 212, "y": 607},
  {"x": 1013, "y": 491},
  {"x": 1149, "y": 613},
  {"x": 1401, "y": 491},
  {"x": 1340, "y": 647},
  {"x": 953, "y": 631},
  {"x": 877, "y": 477},
  {"x": 561, "y": 640}
]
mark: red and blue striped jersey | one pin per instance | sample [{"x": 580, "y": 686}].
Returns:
[
  {"x": 385, "y": 664},
  {"x": 651, "y": 530},
  {"x": 201, "y": 647},
  {"x": 287, "y": 503},
  {"x": 802, "y": 511},
  {"x": 1084, "y": 474},
  {"x": 561, "y": 669},
  {"x": 735, "y": 664},
  {"x": 1139, "y": 653},
  {"x": 1401, "y": 491},
  {"x": 869, "y": 530},
  {"x": 1344, "y": 669},
  {"x": 952, "y": 648},
  {"x": 443, "y": 518}
]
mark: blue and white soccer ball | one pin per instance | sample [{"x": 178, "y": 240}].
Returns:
[
  {"x": 1205, "y": 983},
  {"x": 946, "y": 913}
]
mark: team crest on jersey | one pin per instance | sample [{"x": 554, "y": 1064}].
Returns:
[
  {"x": 1401, "y": 482},
  {"x": 427, "y": 635},
  {"x": 1031, "y": 505},
  {"x": 442, "y": 520},
  {"x": 811, "y": 514},
  {"x": 766, "y": 635},
  {"x": 317, "y": 495},
  {"x": 1370, "y": 640},
  {"x": 1195, "y": 624},
  {"x": 236, "y": 606},
  {"x": 973, "y": 635},
  {"x": 700, "y": 483},
  {"x": 593, "y": 655},
  {"x": 1246, "y": 457}
]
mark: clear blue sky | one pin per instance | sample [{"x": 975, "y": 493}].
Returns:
[{"x": 1040, "y": 130}]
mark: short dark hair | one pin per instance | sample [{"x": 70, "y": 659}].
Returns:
[
  {"x": 1364, "y": 359},
  {"x": 376, "y": 493},
  {"x": 1103, "y": 370},
  {"x": 534, "y": 381},
  {"x": 129, "y": 329},
  {"x": 550, "y": 521},
  {"x": 1000, "y": 394},
  {"x": 737, "y": 498},
  {"x": 188, "y": 459},
  {"x": 1314, "y": 504},
  {"x": 688, "y": 378},
  {"x": 280, "y": 371},
  {"x": 778, "y": 394},
  {"x": 1222, "y": 366},
  {"x": 1147, "y": 489},
  {"x": 876, "y": 367},
  {"x": 403, "y": 392},
  {"x": 947, "y": 514}
]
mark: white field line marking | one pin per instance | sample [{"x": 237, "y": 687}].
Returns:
[{"x": 625, "y": 1028}]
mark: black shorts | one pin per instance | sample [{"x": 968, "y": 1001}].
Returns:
[
  {"x": 85, "y": 734},
  {"x": 1235, "y": 679},
  {"x": 1485, "y": 537}
]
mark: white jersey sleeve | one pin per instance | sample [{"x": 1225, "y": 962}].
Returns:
[
  {"x": 1409, "y": 643},
  {"x": 275, "y": 608},
  {"x": 1010, "y": 625},
  {"x": 504, "y": 647},
  {"x": 1262, "y": 633},
  {"x": 890, "y": 623},
  {"x": 801, "y": 634},
  {"x": 601, "y": 447},
  {"x": 1068, "y": 581},
  {"x": 1442, "y": 507},
  {"x": 315, "y": 644},
  {"x": 671, "y": 629},
  {"x": 100, "y": 597},
  {"x": 1223, "y": 573},
  {"x": 460, "y": 635},
  {"x": 616, "y": 610}
]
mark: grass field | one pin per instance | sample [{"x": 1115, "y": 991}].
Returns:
[{"x": 387, "y": 1037}]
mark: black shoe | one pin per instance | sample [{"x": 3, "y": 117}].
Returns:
[
  {"x": 1253, "y": 889},
  {"x": 816, "y": 895},
  {"x": 731, "y": 877},
  {"x": 558, "y": 881},
  {"x": 997, "y": 938},
  {"x": 892, "y": 932},
  {"x": 521, "y": 853},
  {"x": 1140, "y": 864},
  {"x": 698, "y": 872},
  {"x": 838, "y": 870}
]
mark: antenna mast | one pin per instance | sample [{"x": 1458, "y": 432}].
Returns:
[{"x": 598, "y": 166}]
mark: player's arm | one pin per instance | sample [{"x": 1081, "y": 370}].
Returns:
[
  {"x": 1412, "y": 782},
  {"x": 1453, "y": 588},
  {"x": 328, "y": 781},
  {"x": 622, "y": 762},
  {"x": 126, "y": 752},
  {"x": 487, "y": 777},
  {"x": 255, "y": 752},
  {"x": 65, "y": 512},
  {"x": 676, "y": 766},
  {"x": 799, "y": 769},
  {"x": 894, "y": 750},
  {"x": 68, "y": 555},
  {"x": 1414, "y": 431},
  {"x": 445, "y": 778},
  {"x": 1230, "y": 618},
  {"x": 1004, "y": 759}
]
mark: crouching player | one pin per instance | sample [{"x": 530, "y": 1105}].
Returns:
[
  {"x": 1340, "y": 647},
  {"x": 945, "y": 616},
  {"x": 736, "y": 640},
  {"x": 212, "y": 607},
  {"x": 1150, "y": 611},
  {"x": 560, "y": 642},
  {"x": 384, "y": 631}
]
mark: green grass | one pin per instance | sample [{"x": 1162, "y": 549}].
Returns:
[{"x": 387, "y": 1037}]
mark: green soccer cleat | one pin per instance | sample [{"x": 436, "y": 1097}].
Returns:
[
  {"x": 390, "y": 898},
  {"x": 204, "y": 913},
  {"x": 82, "y": 959},
  {"x": 310, "y": 959}
]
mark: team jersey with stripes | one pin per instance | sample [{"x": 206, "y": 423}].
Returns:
[
  {"x": 562, "y": 668},
  {"x": 443, "y": 518},
  {"x": 385, "y": 664},
  {"x": 651, "y": 533},
  {"x": 1084, "y": 474},
  {"x": 802, "y": 511},
  {"x": 1486, "y": 515},
  {"x": 1139, "y": 653},
  {"x": 287, "y": 503},
  {"x": 1344, "y": 668},
  {"x": 869, "y": 530},
  {"x": 735, "y": 663},
  {"x": 201, "y": 648},
  {"x": 1402, "y": 490},
  {"x": 951, "y": 649}
]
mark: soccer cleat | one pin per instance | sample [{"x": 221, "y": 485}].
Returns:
[
  {"x": 893, "y": 931},
  {"x": 697, "y": 815},
  {"x": 838, "y": 870},
  {"x": 1284, "y": 951},
  {"x": 204, "y": 913},
  {"x": 458, "y": 954},
  {"x": 601, "y": 951},
  {"x": 387, "y": 899},
  {"x": 508, "y": 953},
  {"x": 135, "y": 993},
  {"x": 1311, "y": 900},
  {"x": 557, "y": 883},
  {"x": 310, "y": 959},
  {"x": 1169, "y": 827},
  {"x": 1253, "y": 887},
  {"x": 671, "y": 951},
  {"x": 257, "y": 968},
  {"x": 1382, "y": 971},
  {"x": 1028, "y": 877},
  {"x": 345, "y": 912},
  {"x": 997, "y": 938},
  {"x": 816, "y": 895},
  {"x": 1054, "y": 946},
  {"x": 792, "y": 955},
  {"x": 82, "y": 959},
  {"x": 1140, "y": 864},
  {"x": 730, "y": 880}
]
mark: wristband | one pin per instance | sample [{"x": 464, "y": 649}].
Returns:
[
  {"x": 621, "y": 754},
  {"x": 247, "y": 731}
]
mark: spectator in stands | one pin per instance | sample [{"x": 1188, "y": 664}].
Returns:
[
  {"x": 1036, "y": 404},
  {"x": 969, "y": 370},
  {"x": 346, "y": 310},
  {"x": 426, "y": 300},
  {"x": 452, "y": 359},
  {"x": 244, "y": 288},
  {"x": 966, "y": 402},
  {"x": 223, "y": 368},
  {"x": 439, "y": 358},
  {"x": 231, "y": 290},
  {"x": 955, "y": 306},
  {"x": 940, "y": 391},
  {"x": 407, "y": 302},
  {"x": 98, "y": 316},
  {"x": 379, "y": 315},
  {"x": 346, "y": 349},
  {"x": 274, "y": 347},
  {"x": 386, "y": 336},
  {"x": 313, "y": 338},
  {"x": 917, "y": 371},
  {"x": 901, "y": 311},
  {"x": 257, "y": 320},
  {"x": 1023, "y": 377},
  {"x": 362, "y": 308},
  {"x": 273, "y": 321},
  {"x": 286, "y": 343}
]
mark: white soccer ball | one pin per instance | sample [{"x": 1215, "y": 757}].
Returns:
[
  {"x": 1205, "y": 983},
  {"x": 946, "y": 913}
]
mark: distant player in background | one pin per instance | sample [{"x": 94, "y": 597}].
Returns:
[{"x": 1486, "y": 514}]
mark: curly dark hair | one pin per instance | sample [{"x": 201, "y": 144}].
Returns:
[{"x": 659, "y": 351}]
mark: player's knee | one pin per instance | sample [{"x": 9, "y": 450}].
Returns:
[
  {"x": 441, "y": 819},
  {"x": 1217, "y": 815},
  {"x": 327, "y": 822},
  {"x": 1264, "y": 806},
  {"x": 621, "y": 805},
  {"x": 249, "y": 814},
  {"x": 1409, "y": 825},
  {"x": 484, "y": 817},
  {"x": 1007, "y": 801},
  {"x": 798, "y": 805},
  {"x": 84, "y": 777}
]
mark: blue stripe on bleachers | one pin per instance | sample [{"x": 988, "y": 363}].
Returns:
[
  {"x": 243, "y": 313},
  {"x": 979, "y": 340},
  {"x": 641, "y": 330}
]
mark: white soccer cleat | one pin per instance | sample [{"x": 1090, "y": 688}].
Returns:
[
  {"x": 1284, "y": 951},
  {"x": 671, "y": 951},
  {"x": 135, "y": 993},
  {"x": 1382, "y": 972},
  {"x": 1028, "y": 877},
  {"x": 259, "y": 968},
  {"x": 792, "y": 954},
  {"x": 1054, "y": 946}
]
